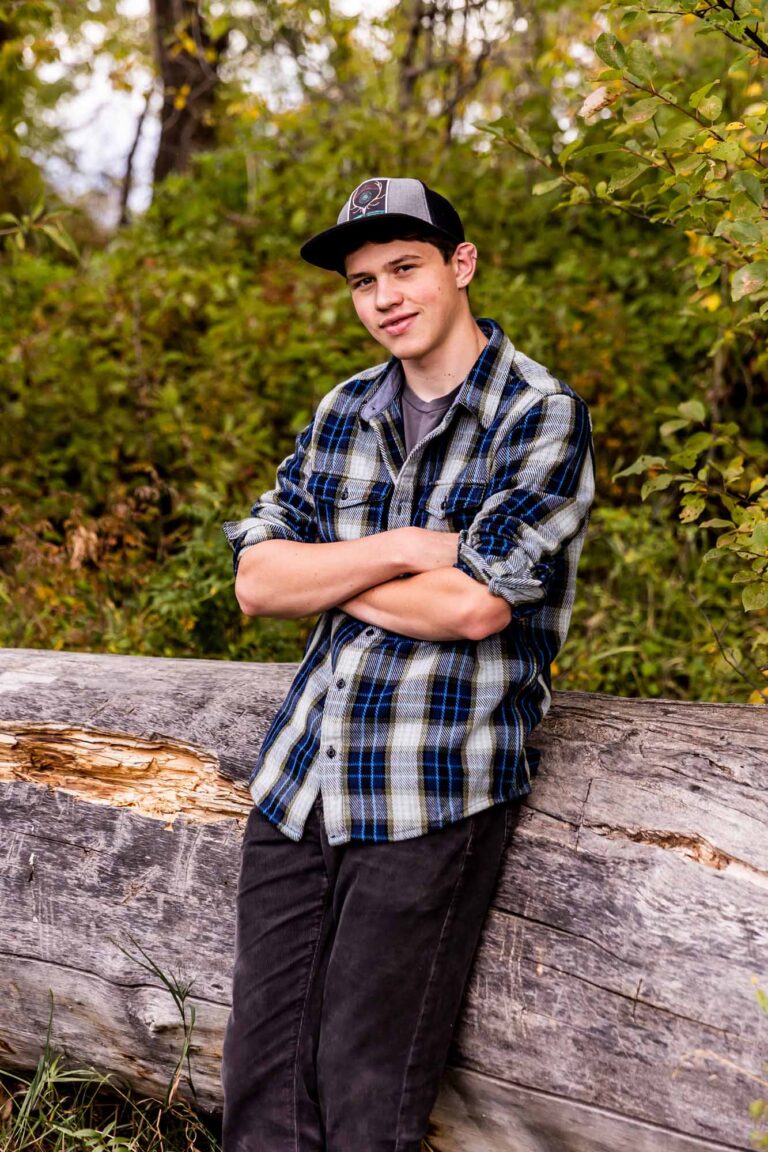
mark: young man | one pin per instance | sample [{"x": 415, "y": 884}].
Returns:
[{"x": 433, "y": 513}]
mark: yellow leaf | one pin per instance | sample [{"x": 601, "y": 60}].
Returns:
[
  {"x": 760, "y": 696},
  {"x": 712, "y": 301},
  {"x": 734, "y": 126},
  {"x": 555, "y": 669},
  {"x": 754, "y": 90}
]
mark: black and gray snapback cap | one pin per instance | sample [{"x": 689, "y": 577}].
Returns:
[{"x": 375, "y": 201}]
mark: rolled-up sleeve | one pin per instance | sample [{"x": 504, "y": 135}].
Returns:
[
  {"x": 285, "y": 512},
  {"x": 539, "y": 498}
]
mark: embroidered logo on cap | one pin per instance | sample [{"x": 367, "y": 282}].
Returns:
[{"x": 369, "y": 199}]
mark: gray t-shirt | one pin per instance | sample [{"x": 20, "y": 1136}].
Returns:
[{"x": 421, "y": 416}]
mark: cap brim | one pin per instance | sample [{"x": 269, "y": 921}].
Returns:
[{"x": 329, "y": 249}]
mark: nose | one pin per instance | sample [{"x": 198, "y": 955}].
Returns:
[{"x": 387, "y": 293}]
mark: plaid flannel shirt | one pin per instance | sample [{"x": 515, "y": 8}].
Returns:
[{"x": 404, "y": 736}]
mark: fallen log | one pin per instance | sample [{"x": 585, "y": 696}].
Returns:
[{"x": 612, "y": 1001}]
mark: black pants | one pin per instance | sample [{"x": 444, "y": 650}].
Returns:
[{"x": 350, "y": 965}]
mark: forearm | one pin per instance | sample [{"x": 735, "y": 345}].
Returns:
[
  {"x": 287, "y": 579},
  {"x": 444, "y": 604}
]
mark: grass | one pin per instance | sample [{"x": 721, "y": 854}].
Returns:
[
  {"x": 61, "y": 1109},
  {"x": 64, "y": 1109}
]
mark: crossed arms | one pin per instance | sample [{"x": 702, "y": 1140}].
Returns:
[
  {"x": 362, "y": 577},
  {"x": 460, "y": 585}
]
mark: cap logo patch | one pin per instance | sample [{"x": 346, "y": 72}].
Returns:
[{"x": 369, "y": 199}]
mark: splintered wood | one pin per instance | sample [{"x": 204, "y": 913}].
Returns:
[{"x": 162, "y": 778}]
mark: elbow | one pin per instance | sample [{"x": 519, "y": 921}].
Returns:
[
  {"x": 246, "y": 585},
  {"x": 246, "y": 604},
  {"x": 487, "y": 615}
]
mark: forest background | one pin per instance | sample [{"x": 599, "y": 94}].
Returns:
[{"x": 610, "y": 163}]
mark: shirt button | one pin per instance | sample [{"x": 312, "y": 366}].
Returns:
[
  {"x": 341, "y": 683},
  {"x": 344, "y": 493},
  {"x": 331, "y": 753},
  {"x": 400, "y": 508},
  {"x": 370, "y": 631}
]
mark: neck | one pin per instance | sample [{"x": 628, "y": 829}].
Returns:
[{"x": 441, "y": 371}]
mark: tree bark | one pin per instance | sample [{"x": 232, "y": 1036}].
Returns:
[
  {"x": 612, "y": 1001},
  {"x": 187, "y": 63}
]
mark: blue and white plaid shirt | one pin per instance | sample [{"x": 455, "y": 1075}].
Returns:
[{"x": 403, "y": 736}]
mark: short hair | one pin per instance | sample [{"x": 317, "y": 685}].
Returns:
[{"x": 384, "y": 231}]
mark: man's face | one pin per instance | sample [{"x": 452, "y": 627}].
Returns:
[{"x": 407, "y": 296}]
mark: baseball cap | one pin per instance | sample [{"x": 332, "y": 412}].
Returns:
[{"x": 376, "y": 200}]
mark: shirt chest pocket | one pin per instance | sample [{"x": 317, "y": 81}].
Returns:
[
  {"x": 451, "y": 507},
  {"x": 347, "y": 508}
]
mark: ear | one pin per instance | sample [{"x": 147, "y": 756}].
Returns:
[{"x": 464, "y": 262}]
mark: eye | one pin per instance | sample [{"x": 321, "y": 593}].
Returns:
[
  {"x": 405, "y": 267},
  {"x": 363, "y": 282}
]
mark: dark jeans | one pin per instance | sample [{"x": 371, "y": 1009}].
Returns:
[{"x": 350, "y": 965}]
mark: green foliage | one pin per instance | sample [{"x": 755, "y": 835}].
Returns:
[
  {"x": 683, "y": 150},
  {"x": 152, "y": 385}
]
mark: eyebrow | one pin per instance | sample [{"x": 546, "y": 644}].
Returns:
[{"x": 390, "y": 264}]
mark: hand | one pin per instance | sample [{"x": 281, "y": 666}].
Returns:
[{"x": 427, "y": 549}]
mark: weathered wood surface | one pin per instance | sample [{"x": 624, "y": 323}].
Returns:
[{"x": 611, "y": 1005}]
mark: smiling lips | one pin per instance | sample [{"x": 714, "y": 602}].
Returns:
[{"x": 398, "y": 324}]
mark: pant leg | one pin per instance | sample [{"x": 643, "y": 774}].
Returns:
[
  {"x": 283, "y": 930},
  {"x": 408, "y": 918}
]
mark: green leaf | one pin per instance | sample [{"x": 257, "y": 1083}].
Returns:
[
  {"x": 717, "y": 522},
  {"x": 656, "y": 484},
  {"x": 742, "y": 231},
  {"x": 758, "y": 541},
  {"x": 708, "y": 275},
  {"x": 748, "y": 182},
  {"x": 669, "y": 427},
  {"x": 693, "y": 410},
  {"x": 729, "y": 150},
  {"x": 749, "y": 279},
  {"x": 565, "y": 154},
  {"x": 710, "y": 107},
  {"x": 642, "y": 110},
  {"x": 642, "y": 464},
  {"x": 625, "y": 176},
  {"x": 610, "y": 50},
  {"x": 744, "y": 208},
  {"x": 696, "y": 97},
  {"x": 678, "y": 134},
  {"x": 545, "y": 186},
  {"x": 640, "y": 60},
  {"x": 699, "y": 442},
  {"x": 693, "y": 506},
  {"x": 755, "y": 596}
]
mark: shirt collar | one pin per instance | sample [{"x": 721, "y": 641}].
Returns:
[{"x": 481, "y": 391}]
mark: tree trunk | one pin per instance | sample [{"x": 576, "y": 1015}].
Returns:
[
  {"x": 187, "y": 64},
  {"x": 611, "y": 1005}
]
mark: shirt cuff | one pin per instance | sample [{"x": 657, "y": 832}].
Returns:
[
  {"x": 243, "y": 534},
  {"x": 516, "y": 585}
]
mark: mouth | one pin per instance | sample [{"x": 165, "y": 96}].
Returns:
[{"x": 397, "y": 324}]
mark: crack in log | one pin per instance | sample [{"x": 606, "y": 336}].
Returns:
[
  {"x": 124, "y": 986},
  {"x": 690, "y": 846},
  {"x": 469, "y": 1068},
  {"x": 634, "y": 998},
  {"x": 161, "y": 778},
  {"x": 558, "y": 928}
]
